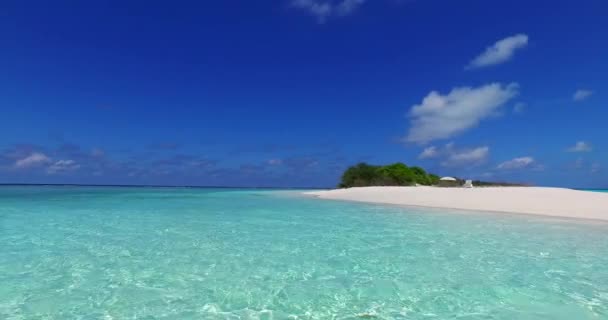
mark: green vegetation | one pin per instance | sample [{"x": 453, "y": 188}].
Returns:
[
  {"x": 498, "y": 184},
  {"x": 396, "y": 174}
]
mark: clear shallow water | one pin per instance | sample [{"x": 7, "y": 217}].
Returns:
[
  {"x": 597, "y": 190},
  {"x": 153, "y": 253}
]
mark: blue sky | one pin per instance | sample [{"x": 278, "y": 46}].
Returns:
[{"x": 291, "y": 92}]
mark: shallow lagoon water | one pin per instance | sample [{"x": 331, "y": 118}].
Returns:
[{"x": 182, "y": 253}]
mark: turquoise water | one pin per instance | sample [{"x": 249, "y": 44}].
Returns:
[
  {"x": 596, "y": 190},
  {"x": 153, "y": 253}
]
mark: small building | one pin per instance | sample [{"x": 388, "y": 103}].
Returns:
[{"x": 448, "y": 182}]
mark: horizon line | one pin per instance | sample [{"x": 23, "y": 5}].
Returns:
[{"x": 153, "y": 186}]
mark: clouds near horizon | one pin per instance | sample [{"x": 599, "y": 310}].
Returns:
[
  {"x": 442, "y": 116},
  {"x": 71, "y": 163},
  {"x": 35, "y": 159},
  {"x": 62, "y": 166},
  {"x": 500, "y": 52},
  {"x": 41, "y": 160}
]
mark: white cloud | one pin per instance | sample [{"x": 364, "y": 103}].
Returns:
[
  {"x": 443, "y": 116},
  {"x": 322, "y": 10},
  {"x": 453, "y": 156},
  {"x": 595, "y": 167},
  {"x": 466, "y": 157},
  {"x": 580, "y": 146},
  {"x": 347, "y": 7},
  {"x": 581, "y": 95},
  {"x": 275, "y": 162},
  {"x": 517, "y": 163},
  {"x": 499, "y": 52},
  {"x": 62, "y": 166},
  {"x": 429, "y": 152},
  {"x": 33, "y": 160}
]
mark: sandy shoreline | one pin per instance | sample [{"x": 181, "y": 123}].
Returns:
[{"x": 554, "y": 202}]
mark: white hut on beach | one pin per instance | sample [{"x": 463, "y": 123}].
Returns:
[{"x": 448, "y": 182}]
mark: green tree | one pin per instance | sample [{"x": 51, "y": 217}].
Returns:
[
  {"x": 359, "y": 175},
  {"x": 421, "y": 177},
  {"x": 398, "y": 173}
]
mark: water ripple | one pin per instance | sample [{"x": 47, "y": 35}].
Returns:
[{"x": 128, "y": 253}]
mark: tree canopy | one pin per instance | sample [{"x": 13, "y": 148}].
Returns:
[{"x": 396, "y": 174}]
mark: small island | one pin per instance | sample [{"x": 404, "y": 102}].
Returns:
[
  {"x": 398, "y": 184},
  {"x": 399, "y": 174}
]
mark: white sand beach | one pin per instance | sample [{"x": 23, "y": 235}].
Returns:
[{"x": 557, "y": 202}]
